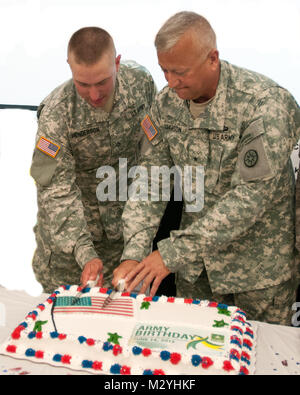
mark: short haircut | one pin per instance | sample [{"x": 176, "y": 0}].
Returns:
[
  {"x": 89, "y": 44},
  {"x": 174, "y": 28}
]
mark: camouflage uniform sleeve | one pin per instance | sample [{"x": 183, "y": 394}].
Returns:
[
  {"x": 151, "y": 91},
  {"x": 271, "y": 129},
  {"x": 144, "y": 74},
  {"x": 141, "y": 218},
  {"x": 61, "y": 213}
]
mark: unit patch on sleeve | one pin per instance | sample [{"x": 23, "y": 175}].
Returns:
[
  {"x": 253, "y": 161},
  {"x": 149, "y": 128},
  {"x": 48, "y": 147},
  {"x": 251, "y": 158}
]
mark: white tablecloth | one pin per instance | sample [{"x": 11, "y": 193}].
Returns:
[{"x": 277, "y": 351}]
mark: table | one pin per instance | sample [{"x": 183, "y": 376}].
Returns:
[{"x": 278, "y": 347}]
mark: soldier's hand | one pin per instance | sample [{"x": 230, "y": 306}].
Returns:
[
  {"x": 150, "y": 269},
  {"x": 122, "y": 270},
  {"x": 90, "y": 272}
]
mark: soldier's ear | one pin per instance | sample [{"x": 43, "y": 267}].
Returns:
[
  {"x": 213, "y": 57},
  {"x": 118, "y": 61}
]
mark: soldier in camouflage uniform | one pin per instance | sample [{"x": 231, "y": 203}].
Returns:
[
  {"x": 241, "y": 127},
  {"x": 90, "y": 121}
]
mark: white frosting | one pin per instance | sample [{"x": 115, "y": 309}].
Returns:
[{"x": 179, "y": 328}]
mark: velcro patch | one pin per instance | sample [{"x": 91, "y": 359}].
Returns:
[
  {"x": 149, "y": 128},
  {"x": 253, "y": 162},
  {"x": 251, "y": 158},
  {"x": 48, "y": 147}
]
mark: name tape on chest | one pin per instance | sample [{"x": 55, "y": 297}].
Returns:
[
  {"x": 48, "y": 147},
  {"x": 149, "y": 128}
]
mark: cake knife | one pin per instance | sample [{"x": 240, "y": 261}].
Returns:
[
  {"x": 89, "y": 284},
  {"x": 119, "y": 288}
]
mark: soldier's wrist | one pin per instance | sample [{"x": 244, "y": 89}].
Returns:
[
  {"x": 84, "y": 255},
  {"x": 172, "y": 260}
]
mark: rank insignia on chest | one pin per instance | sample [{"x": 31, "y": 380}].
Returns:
[
  {"x": 48, "y": 147},
  {"x": 149, "y": 128}
]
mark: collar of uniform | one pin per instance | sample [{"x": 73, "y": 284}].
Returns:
[
  {"x": 213, "y": 118},
  {"x": 124, "y": 101},
  {"x": 124, "y": 97},
  {"x": 120, "y": 99},
  {"x": 98, "y": 113}
]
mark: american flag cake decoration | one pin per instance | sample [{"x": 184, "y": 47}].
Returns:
[{"x": 94, "y": 304}]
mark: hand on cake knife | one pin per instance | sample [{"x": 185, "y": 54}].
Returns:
[
  {"x": 119, "y": 288},
  {"x": 89, "y": 284}
]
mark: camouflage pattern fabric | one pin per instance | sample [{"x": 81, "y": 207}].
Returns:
[
  {"x": 272, "y": 304},
  {"x": 73, "y": 227},
  {"x": 298, "y": 220},
  {"x": 244, "y": 235}
]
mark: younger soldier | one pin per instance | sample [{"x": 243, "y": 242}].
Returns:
[{"x": 89, "y": 121}]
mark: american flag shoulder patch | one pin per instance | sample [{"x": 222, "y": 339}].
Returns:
[
  {"x": 149, "y": 128},
  {"x": 48, "y": 147}
]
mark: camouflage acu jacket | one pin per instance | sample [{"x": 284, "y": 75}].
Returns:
[
  {"x": 244, "y": 234},
  {"x": 77, "y": 140}
]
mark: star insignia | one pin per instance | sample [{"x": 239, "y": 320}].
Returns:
[
  {"x": 219, "y": 324},
  {"x": 224, "y": 311},
  {"x": 38, "y": 326},
  {"x": 145, "y": 305},
  {"x": 114, "y": 338}
]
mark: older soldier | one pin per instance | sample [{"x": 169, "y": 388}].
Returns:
[
  {"x": 90, "y": 121},
  {"x": 240, "y": 127}
]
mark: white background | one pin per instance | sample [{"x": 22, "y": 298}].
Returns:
[{"x": 262, "y": 35}]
